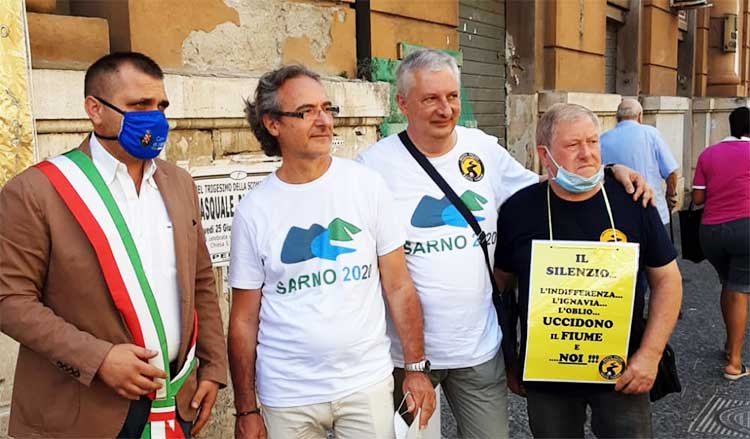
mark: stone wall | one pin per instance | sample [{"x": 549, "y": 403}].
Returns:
[
  {"x": 269, "y": 33},
  {"x": 205, "y": 113},
  {"x": 524, "y": 112},
  {"x": 207, "y": 128},
  {"x": 410, "y": 22},
  {"x": 197, "y": 35},
  {"x": 574, "y": 42},
  {"x": 659, "y": 48},
  {"x": 670, "y": 115},
  {"x": 16, "y": 122},
  {"x": 604, "y": 105}
]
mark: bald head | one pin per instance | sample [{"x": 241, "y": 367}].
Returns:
[{"x": 629, "y": 109}]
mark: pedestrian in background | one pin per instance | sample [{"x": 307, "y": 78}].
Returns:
[
  {"x": 642, "y": 148},
  {"x": 722, "y": 181}
]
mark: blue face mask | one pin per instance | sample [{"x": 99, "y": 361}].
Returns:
[
  {"x": 572, "y": 182},
  {"x": 143, "y": 134}
]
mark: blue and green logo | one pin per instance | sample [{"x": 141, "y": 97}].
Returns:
[
  {"x": 433, "y": 212},
  {"x": 318, "y": 242}
]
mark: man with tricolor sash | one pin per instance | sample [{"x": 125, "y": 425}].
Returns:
[
  {"x": 105, "y": 279},
  {"x": 583, "y": 253}
]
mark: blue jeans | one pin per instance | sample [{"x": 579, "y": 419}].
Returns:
[{"x": 613, "y": 414}]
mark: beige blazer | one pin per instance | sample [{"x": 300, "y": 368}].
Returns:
[{"x": 55, "y": 303}]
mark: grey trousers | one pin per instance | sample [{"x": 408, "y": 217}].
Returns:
[{"x": 477, "y": 395}]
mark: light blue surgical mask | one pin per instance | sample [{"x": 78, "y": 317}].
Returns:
[{"x": 572, "y": 182}]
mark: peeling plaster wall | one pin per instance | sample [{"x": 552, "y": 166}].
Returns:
[
  {"x": 320, "y": 36},
  {"x": 182, "y": 17},
  {"x": 521, "y": 130}
]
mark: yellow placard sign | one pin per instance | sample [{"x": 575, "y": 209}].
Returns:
[{"x": 580, "y": 307}]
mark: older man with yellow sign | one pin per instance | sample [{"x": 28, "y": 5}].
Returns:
[
  {"x": 584, "y": 253},
  {"x": 580, "y": 310}
]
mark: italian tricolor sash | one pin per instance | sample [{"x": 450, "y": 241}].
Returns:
[{"x": 84, "y": 192}]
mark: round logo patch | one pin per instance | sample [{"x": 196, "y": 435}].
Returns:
[
  {"x": 471, "y": 166},
  {"x": 608, "y": 236},
  {"x": 611, "y": 367}
]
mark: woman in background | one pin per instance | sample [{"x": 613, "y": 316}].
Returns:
[{"x": 722, "y": 181}]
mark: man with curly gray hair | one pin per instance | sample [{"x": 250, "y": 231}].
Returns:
[{"x": 315, "y": 249}]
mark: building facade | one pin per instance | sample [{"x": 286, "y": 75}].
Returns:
[
  {"x": 687, "y": 62},
  {"x": 688, "y": 66}
]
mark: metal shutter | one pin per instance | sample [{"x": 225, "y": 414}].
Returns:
[
  {"x": 610, "y": 58},
  {"x": 481, "y": 31}
]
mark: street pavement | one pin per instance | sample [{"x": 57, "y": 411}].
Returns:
[{"x": 709, "y": 405}]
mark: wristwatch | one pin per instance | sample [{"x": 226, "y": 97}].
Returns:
[{"x": 421, "y": 366}]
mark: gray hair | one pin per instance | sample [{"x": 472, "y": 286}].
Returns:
[
  {"x": 629, "y": 109},
  {"x": 545, "y": 130},
  {"x": 423, "y": 59},
  {"x": 267, "y": 102}
]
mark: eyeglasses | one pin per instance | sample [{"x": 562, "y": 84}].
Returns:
[{"x": 309, "y": 114}]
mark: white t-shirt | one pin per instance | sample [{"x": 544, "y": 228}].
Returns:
[
  {"x": 442, "y": 252},
  {"x": 312, "y": 249}
]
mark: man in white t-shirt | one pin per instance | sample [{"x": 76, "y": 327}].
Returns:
[
  {"x": 461, "y": 331},
  {"x": 315, "y": 248}
]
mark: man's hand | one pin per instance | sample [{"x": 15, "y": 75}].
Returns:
[
  {"x": 421, "y": 395},
  {"x": 250, "y": 427},
  {"x": 203, "y": 401},
  {"x": 634, "y": 183},
  {"x": 640, "y": 373},
  {"x": 672, "y": 190},
  {"x": 671, "y": 201},
  {"x": 406, "y": 313},
  {"x": 126, "y": 370}
]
